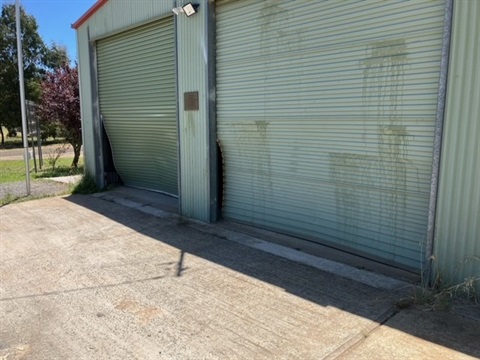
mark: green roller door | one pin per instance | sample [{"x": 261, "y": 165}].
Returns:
[
  {"x": 136, "y": 81},
  {"x": 325, "y": 114}
]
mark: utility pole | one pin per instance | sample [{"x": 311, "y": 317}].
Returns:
[{"x": 22, "y": 94}]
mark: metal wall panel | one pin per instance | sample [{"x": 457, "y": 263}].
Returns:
[
  {"x": 194, "y": 126},
  {"x": 457, "y": 236},
  {"x": 118, "y": 15},
  {"x": 86, "y": 105},
  {"x": 136, "y": 81},
  {"x": 326, "y": 115}
]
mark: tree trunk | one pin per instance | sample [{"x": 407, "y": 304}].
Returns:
[{"x": 3, "y": 136}]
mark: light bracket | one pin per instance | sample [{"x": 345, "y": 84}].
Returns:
[{"x": 188, "y": 9}]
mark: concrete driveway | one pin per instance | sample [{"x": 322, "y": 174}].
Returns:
[{"x": 86, "y": 278}]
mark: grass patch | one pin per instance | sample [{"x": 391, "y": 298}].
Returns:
[
  {"x": 59, "y": 171},
  {"x": 14, "y": 170}
]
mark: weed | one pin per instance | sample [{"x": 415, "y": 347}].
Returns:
[
  {"x": 55, "y": 154},
  {"x": 8, "y": 199},
  {"x": 443, "y": 290},
  {"x": 86, "y": 185}
]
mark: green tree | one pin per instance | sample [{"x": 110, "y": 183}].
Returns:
[
  {"x": 34, "y": 52},
  {"x": 56, "y": 56},
  {"x": 37, "y": 59},
  {"x": 60, "y": 104}
]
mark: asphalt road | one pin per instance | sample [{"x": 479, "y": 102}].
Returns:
[{"x": 17, "y": 154}]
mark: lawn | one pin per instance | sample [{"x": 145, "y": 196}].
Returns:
[{"x": 14, "y": 170}]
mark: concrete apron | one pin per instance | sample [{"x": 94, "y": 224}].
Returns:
[
  {"x": 161, "y": 205},
  {"x": 86, "y": 278}
]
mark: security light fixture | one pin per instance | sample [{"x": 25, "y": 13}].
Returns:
[{"x": 188, "y": 9}]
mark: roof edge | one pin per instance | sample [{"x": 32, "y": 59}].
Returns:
[{"x": 88, "y": 14}]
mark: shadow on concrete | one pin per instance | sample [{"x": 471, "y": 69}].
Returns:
[{"x": 319, "y": 287}]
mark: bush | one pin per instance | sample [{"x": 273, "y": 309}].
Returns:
[
  {"x": 12, "y": 133},
  {"x": 49, "y": 130}
]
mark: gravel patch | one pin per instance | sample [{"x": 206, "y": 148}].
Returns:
[{"x": 38, "y": 188}]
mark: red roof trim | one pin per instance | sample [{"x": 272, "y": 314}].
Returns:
[{"x": 88, "y": 14}]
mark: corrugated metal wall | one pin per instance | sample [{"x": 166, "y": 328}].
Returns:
[
  {"x": 118, "y": 15},
  {"x": 136, "y": 82},
  {"x": 457, "y": 236},
  {"x": 326, "y": 114}
]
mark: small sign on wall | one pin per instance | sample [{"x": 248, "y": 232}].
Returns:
[{"x": 190, "y": 101}]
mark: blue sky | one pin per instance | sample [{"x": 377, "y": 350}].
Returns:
[{"x": 55, "y": 17}]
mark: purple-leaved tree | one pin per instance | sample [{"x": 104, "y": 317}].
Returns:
[{"x": 60, "y": 103}]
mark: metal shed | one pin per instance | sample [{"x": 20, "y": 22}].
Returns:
[{"x": 328, "y": 117}]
